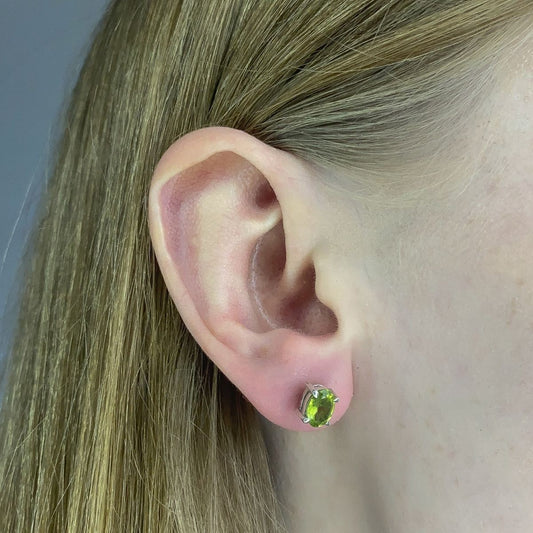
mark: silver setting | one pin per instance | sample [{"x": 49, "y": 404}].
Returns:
[{"x": 311, "y": 390}]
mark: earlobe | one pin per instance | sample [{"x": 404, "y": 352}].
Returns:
[{"x": 230, "y": 230}]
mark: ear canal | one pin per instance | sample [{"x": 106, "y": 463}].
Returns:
[{"x": 291, "y": 305}]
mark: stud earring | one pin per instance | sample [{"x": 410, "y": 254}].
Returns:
[{"x": 317, "y": 405}]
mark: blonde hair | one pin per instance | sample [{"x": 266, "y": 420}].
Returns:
[{"x": 113, "y": 418}]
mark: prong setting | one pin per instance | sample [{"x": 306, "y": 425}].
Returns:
[{"x": 317, "y": 405}]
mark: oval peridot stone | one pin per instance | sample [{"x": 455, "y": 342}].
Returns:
[{"x": 319, "y": 410}]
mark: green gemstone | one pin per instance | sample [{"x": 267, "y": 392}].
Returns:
[{"x": 319, "y": 410}]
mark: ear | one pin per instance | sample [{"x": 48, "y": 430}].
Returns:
[{"x": 233, "y": 229}]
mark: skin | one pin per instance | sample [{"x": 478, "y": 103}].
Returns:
[
  {"x": 439, "y": 436},
  {"x": 432, "y": 359}
]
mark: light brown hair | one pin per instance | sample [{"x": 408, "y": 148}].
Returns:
[{"x": 113, "y": 418}]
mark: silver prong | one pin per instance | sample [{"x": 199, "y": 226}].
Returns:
[
  {"x": 315, "y": 394},
  {"x": 336, "y": 399},
  {"x": 305, "y": 420}
]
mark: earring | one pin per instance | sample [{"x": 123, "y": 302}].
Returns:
[{"x": 317, "y": 405}]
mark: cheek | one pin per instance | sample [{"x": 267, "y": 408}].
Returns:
[
  {"x": 506, "y": 244},
  {"x": 504, "y": 211},
  {"x": 510, "y": 261},
  {"x": 501, "y": 260},
  {"x": 480, "y": 285},
  {"x": 502, "y": 250},
  {"x": 508, "y": 271}
]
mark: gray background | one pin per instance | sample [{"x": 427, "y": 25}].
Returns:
[{"x": 42, "y": 46}]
